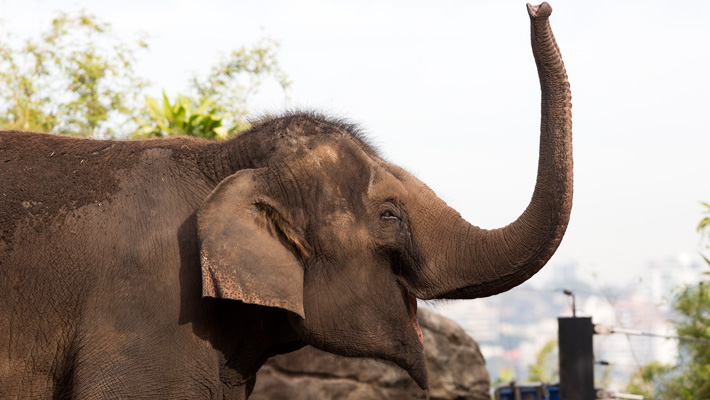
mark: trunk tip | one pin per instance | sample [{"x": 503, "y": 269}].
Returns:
[{"x": 542, "y": 11}]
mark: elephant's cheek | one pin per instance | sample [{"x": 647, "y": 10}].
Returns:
[{"x": 359, "y": 310}]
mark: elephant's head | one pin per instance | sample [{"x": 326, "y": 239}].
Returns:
[{"x": 347, "y": 241}]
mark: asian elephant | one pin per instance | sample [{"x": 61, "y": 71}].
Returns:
[{"x": 173, "y": 268}]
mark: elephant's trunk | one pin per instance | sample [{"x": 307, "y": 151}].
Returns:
[{"x": 471, "y": 262}]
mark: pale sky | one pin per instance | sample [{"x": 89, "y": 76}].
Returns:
[{"x": 448, "y": 90}]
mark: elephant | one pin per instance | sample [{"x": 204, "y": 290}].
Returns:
[{"x": 174, "y": 267}]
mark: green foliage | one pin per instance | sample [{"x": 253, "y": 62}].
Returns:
[
  {"x": 704, "y": 227},
  {"x": 236, "y": 78},
  {"x": 692, "y": 381},
  {"x": 505, "y": 375},
  {"x": 182, "y": 118},
  {"x": 76, "y": 79},
  {"x": 649, "y": 379},
  {"x": 546, "y": 366},
  {"x": 217, "y": 107},
  {"x": 704, "y": 224},
  {"x": 690, "y": 377}
]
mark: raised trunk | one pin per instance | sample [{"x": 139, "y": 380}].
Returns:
[{"x": 470, "y": 262}]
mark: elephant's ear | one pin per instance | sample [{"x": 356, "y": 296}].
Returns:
[{"x": 247, "y": 248}]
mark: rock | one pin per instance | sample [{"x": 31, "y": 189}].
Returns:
[{"x": 456, "y": 367}]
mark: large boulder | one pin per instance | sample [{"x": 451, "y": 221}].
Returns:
[{"x": 456, "y": 367}]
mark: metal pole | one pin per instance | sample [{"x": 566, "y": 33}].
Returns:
[{"x": 576, "y": 358}]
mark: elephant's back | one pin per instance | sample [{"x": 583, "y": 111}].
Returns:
[
  {"x": 45, "y": 176},
  {"x": 42, "y": 174}
]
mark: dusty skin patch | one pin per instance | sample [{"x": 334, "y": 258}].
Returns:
[
  {"x": 45, "y": 176},
  {"x": 341, "y": 224},
  {"x": 325, "y": 153},
  {"x": 321, "y": 156}
]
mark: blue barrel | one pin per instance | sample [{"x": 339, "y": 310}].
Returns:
[{"x": 528, "y": 392}]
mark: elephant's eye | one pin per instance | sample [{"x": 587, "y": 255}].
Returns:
[{"x": 389, "y": 215}]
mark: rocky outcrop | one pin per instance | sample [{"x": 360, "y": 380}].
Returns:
[{"x": 456, "y": 367}]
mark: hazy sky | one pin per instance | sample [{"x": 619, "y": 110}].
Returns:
[{"x": 448, "y": 90}]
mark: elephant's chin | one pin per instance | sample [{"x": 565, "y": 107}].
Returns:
[{"x": 416, "y": 368}]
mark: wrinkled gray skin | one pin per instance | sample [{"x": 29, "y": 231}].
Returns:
[{"x": 173, "y": 268}]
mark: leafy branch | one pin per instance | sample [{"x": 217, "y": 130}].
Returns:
[{"x": 77, "y": 79}]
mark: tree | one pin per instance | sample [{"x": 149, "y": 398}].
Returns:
[
  {"x": 236, "y": 78},
  {"x": 77, "y": 79},
  {"x": 692, "y": 380},
  {"x": 505, "y": 376},
  {"x": 217, "y": 106},
  {"x": 690, "y": 377},
  {"x": 546, "y": 366},
  {"x": 704, "y": 228},
  {"x": 649, "y": 379}
]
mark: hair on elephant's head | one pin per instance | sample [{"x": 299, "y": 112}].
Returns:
[{"x": 347, "y": 242}]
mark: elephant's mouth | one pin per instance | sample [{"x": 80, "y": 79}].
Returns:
[
  {"x": 414, "y": 363},
  {"x": 411, "y": 303}
]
